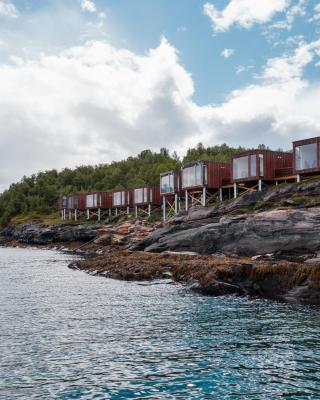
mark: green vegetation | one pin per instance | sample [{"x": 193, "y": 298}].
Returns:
[{"x": 37, "y": 197}]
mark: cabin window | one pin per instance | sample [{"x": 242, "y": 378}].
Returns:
[
  {"x": 261, "y": 165},
  {"x": 253, "y": 165},
  {"x": 240, "y": 167},
  {"x": 117, "y": 199},
  {"x": 145, "y": 195},
  {"x": 205, "y": 170},
  {"x": 192, "y": 176},
  {"x": 90, "y": 200},
  {"x": 306, "y": 156},
  {"x": 167, "y": 183},
  {"x": 64, "y": 202},
  {"x": 138, "y": 196},
  {"x": 123, "y": 198}
]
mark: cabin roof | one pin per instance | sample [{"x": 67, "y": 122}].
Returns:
[{"x": 307, "y": 141}]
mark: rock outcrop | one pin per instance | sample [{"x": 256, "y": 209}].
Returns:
[
  {"x": 283, "y": 231},
  {"x": 212, "y": 275},
  {"x": 38, "y": 234}
]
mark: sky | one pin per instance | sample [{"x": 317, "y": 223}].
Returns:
[{"x": 92, "y": 81}]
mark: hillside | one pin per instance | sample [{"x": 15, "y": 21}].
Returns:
[{"x": 36, "y": 197}]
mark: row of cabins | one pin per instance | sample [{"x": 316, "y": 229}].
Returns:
[{"x": 202, "y": 183}]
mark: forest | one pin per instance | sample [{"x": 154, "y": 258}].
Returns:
[{"x": 39, "y": 194}]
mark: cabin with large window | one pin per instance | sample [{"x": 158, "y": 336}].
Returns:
[
  {"x": 203, "y": 181},
  {"x": 75, "y": 204},
  {"x": 254, "y": 168},
  {"x": 98, "y": 203},
  {"x": 121, "y": 201},
  {"x": 170, "y": 192},
  {"x": 306, "y": 157},
  {"x": 145, "y": 199}
]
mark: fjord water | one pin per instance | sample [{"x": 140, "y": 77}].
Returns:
[{"x": 68, "y": 335}]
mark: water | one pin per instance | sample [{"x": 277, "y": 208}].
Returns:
[{"x": 67, "y": 335}]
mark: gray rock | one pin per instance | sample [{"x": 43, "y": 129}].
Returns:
[
  {"x": 42, "y": 234},
  {"x": 287, "y": 231}
]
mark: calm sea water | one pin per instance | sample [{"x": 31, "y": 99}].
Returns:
[{"x": 68, "y": 335}]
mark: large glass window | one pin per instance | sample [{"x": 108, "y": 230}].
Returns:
[
  {"x": 117, "y": 199},
  {"x": 92, "y": 200},
  {"x": 138, "y": 196},
  {"x": 240, "y": 167},
  {"x": 261, "y": 165},
  {"x": 70, "y": 202},
  {"x": 64, "y": 202},
  {"x": 253, "y": 165},
  {"x": 167, "y": 183},
  {"x": 306, "y": 156},
  {"x": 192, "y": 176}
]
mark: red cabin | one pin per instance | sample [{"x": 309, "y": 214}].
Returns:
[
  {"x": 97, "y": 200},
  {"x": 205, "y": 174},
  {"x": 255, "y": 165},
  {"x": 121, "y": 198},
  {"x": 306, "y": 156},
  {"x": 147, "y": 194}
]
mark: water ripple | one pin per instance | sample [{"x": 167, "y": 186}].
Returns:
[{"x": 68, "y": 335}]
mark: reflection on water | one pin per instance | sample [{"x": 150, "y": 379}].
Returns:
[{"x": 67, "y": 335}]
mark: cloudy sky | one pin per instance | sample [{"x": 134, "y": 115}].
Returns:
[{"x": 90, "y": 81}]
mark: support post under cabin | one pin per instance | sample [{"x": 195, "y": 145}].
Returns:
[
  {"x": 116, "y": 212},
  {"x": 235, "y": 190},
  {"x": 110, "y": 212},
  {"x": 128, "y": 210},
  {"x": 220, "y": 194},
  {"x": 204, "y": 197},
  {"x": 176, "y": 203},
  {"x": 187, "y": 200},
  {"x": 99, "y": 214},
  {"x": 88, "y": 213},
  {"x": 260, "y": 185},
  {"x": 149, "y": 209},
  {"x": 136, "y": 211},
  {"x": 298, "y": 178},
  {"x": 76, "y": 215}
]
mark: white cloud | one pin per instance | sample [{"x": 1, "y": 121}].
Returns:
[
  {"x": 291, "y": 66},
  {"x": 8, "y": 9},
  {"x": 96, "y": 103},
  {"x": 244, "y": 13},
  {"x": 297, "y": 9},
  {"x": 227, "y": 53},
  {"x": 316, "y": 16},
  {"x": 88, "y": 5},
  {"x": 243, "y": 68},
  {"x": 182, "y": 29}
]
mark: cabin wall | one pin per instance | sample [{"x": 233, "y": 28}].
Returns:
[{"x": 218, "y": 174}]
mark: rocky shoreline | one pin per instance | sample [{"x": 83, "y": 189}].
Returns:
[{"x": 264, "y": 244}]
